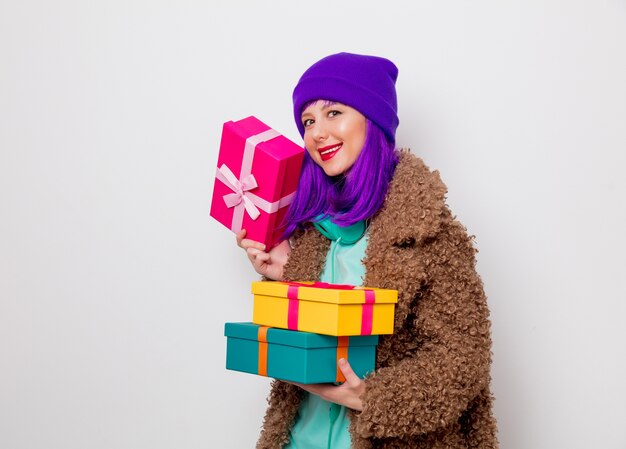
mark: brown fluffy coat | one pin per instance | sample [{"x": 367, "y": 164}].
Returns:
[{"x": 430, "y": 388}]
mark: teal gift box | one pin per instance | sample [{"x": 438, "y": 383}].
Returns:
[{"x": 296, "y": 356}]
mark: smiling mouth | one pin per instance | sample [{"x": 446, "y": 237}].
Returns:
[{"x": 328, "y": 152}]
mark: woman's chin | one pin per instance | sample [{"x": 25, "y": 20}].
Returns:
[
  {"x": 334, "y": 169},
  {"x": 332, "y": 172}
]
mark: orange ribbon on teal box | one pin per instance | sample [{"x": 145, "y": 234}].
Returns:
[{"x": 296, "y": 356}]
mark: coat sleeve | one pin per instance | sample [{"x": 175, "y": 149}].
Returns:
[{"x": 430, "y": 388}]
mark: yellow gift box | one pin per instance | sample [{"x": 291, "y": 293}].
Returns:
[{"x": 321, "y": 308}]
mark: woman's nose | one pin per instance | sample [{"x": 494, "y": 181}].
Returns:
[{"x": 319, "y": 131}]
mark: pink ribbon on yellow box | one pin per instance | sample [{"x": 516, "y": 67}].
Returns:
[
  {"x": 322, "y": 308},
  {"x": 367, "y": 313}
]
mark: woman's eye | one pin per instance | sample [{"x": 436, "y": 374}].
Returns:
[
  {"x": 333, "y": 113},
  {"x": 307, "y": 122}
]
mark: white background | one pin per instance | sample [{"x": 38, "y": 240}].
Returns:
[{"x": 115, "y": 284}]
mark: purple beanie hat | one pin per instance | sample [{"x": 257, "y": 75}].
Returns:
[{"x": 366, "y": 83}]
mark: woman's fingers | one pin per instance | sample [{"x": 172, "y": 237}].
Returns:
[
  {"x": 351, "y": 378},
  {"x": 245, "y": 243},
  {"x": 261, "y": 262},
  {"x": 262, "y": 255},
  {"x": 239, "y": 236},
  {"x": 266, "y": 263},
  {"x": 254, "y": 252},
  {"x": 259, "y": 259},
  {"x": 349, "y": 393}
]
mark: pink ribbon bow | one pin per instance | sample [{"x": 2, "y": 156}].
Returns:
[{"x": 240, "y": 188}]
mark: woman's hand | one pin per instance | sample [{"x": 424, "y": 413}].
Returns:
[
  {"x": 269, "y": 264},
  {"x": 347, "y": 394}
]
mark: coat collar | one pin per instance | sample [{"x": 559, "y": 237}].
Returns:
[
  {"x": 414, "y": 210},
  {"x": 415, "y": 207}
]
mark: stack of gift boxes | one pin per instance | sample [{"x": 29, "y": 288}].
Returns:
[{"x": 299, "y": 330}]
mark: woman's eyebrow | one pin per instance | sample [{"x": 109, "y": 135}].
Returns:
[{"x": 329, "y": 104}]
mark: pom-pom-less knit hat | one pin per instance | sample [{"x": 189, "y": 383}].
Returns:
[{"x": 366, "y": 83}]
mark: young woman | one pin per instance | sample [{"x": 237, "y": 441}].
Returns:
[{"x": 366, "y": 214}]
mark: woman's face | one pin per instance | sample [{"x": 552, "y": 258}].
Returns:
[{"x": 334, "y": 135}]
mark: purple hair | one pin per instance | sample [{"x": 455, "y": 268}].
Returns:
[{"x": 348, "y": 198}]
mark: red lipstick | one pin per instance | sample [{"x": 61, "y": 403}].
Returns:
[{"x": 328, "y": 152}]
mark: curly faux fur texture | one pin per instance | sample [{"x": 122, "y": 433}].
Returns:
[{"x": 431, "y": 384}]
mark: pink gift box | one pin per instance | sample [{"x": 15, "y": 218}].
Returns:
[{"x": 257, "y": 175}]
